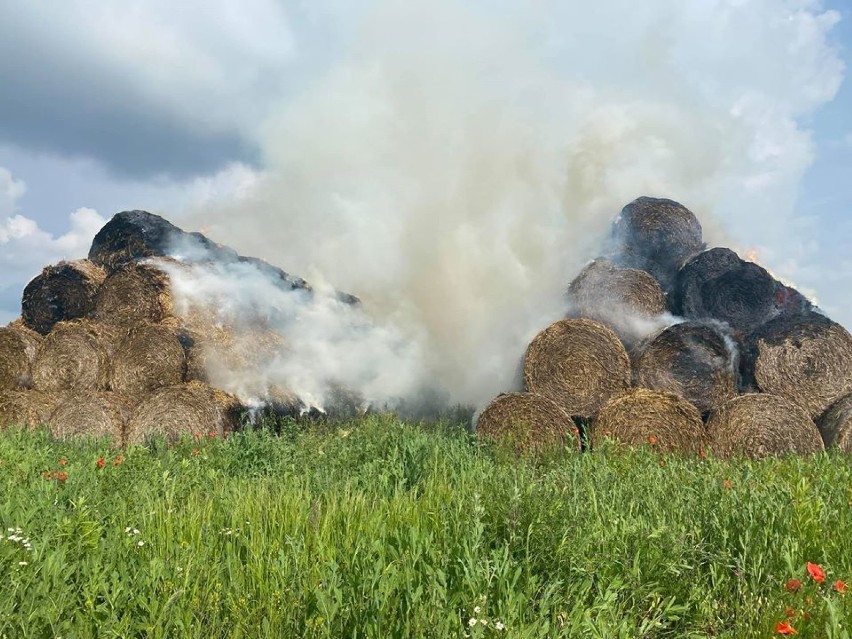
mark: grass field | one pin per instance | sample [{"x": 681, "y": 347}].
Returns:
[{"x": 377, "y": 528}]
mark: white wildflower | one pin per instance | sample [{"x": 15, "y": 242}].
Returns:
[
  {"x": 499, "y": 625},
  {"x": 484, "y": 622},
  {"x": 471, "y": 622},
  {"x": 22, "y": 563},
  {"x": 477, "y": 609},
  {"x": 140, "y": 543}
]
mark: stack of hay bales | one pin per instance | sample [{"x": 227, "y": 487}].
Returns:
[
  {"x": 101, "y": 348},
  {"x": 670, "y": 344}
]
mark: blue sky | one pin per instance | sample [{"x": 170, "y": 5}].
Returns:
[{"x": 176, "y": 110}]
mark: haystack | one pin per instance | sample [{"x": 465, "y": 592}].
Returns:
[
  {"x": 25, "y": 408},
  {"x": 758, "y": 425},
  {"x": 63, "y": 291},
  {"x": 835, "y": 425},
  {"x": 625, "y": 299},
  {"x": 527, "y": 423},
  {"x": 806, "y": 358},
  {"x": 665, "y": 421},
  {"x": 136, "y": 292},
  {"x": 147, "y": 357},
  {"x": 216, "y": 355},
  {"x": 696, "y": 360},
  {"x": 578, "y": 363},
  {"x": 18, "y": 348},
  {"x": 656, "y": 235},
  {"x": 75, "y": 356},
  {"x": 184, "y": 409},
  {"x": 717, "y": 284},
  {"x": 91, "y": 414}
]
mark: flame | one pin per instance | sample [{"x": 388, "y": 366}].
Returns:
[{"x": 752, "y": 255}]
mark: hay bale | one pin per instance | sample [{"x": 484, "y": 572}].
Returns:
[
  {"x": 717, "y": 284},
  {"x": 18, "y": 348},
  {"x": 221, "y": 356},
  {"x": 656, "y": 235},
  {"x": 184, "y": 409},
  {"x": 835, "y": 425},
  {"x": 641, "y": 416},
  {"x": 527, "y": 423},
  {"x": 148, "y": 356},
  {"x": 25, "y": 408},
  {"x": 806, "y": 358},
  {"x": 91, "y": 414},
  {"x": 136, "y": 292},
  {"x": 578, "y": 363},
  {"x": 75, "y": 356},
  {"x": 625, "y": 299},
  {"x": 696, "y": 360},
  {"x": 63, "y": 291},
  {"x": 758, "y": 425}
]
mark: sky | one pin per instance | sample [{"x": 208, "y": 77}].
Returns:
[{"x": 185, "y": 109}]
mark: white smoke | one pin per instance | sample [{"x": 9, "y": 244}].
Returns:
[{"x": 458, "y": 165}]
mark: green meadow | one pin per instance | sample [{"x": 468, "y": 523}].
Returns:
[{"x": 380, "y": 528}]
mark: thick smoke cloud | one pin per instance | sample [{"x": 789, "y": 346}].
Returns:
[{"x": 458, "y": 166}]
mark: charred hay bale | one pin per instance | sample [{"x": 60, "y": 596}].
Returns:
[
  {"x": 835, "y": 425},
  {"x": 18, "y": 348},
  {"x": 136, "y": 292},
  {"x": 61, "y": 292},
  {"x": 656, "y": 235},
  {"x": 25, "y": 408},
  {"x": 527, "y": 423},
  {"x": 758, "y": 425},
  {"x": 91, "y": 414},
  {"x": 184, "y": 409},
  {"x": 696, "y": 360},
  {"x": 641, "y": 416},
  {"x": 148, "y": 356},
  {"x": 717, "y": 284},
  {"x": 806, "y": 358},
  {"x": 578, "y": 363},
  {"x": 625, "y": 299},
  {"x": 75, "y": 356}
]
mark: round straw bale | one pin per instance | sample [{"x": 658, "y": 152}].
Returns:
[
  {"x": 182, "y": 409},
  {"x": 578, "y": 363},
  {"x": 625, "y": 299},
  {"x": 656, "y": 235},
  {"x": 63, "y": 291},
  {"x": 18, "y": 348},
  {"x": 835, "y": 425},
  {"x": 527, "y": 423},
  {"x": 147, "y": 357},
  {"x": 219, "y": 355},
  {"x": 758, "y": 425},
  {"x": 91, "y": 414},
  {"x": 75, "y": 356},
  {"x": 717, "y": 284},
  {"x": 130, "y": 236},
  {"x": 640, "y": 416},
  {"x": 806, "y": 358},
  {"x": 25, "y": 408},
  {"x": 136, "y": 292},
  {"x": 696, "y": 360}
]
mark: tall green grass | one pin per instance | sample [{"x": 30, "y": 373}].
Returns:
[{"x": 378, "y": 528}]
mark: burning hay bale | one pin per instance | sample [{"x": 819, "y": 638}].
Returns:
[
  {"x": 25, "y": 408},
  {"x": 640, "y": 416},
  {"x": 625, "y": 299},
  {"x": 527, "y": 423},
  {"x": 18, "y": 348},
  {"x": 184, "y": 409},
  {"x": 758, "y": 425},
  {"x": 578, "y": 363},
  {"x": 806, "y": 358},
  {"x": 835, "y": 425},
  {"x": 696, "y": 360},
  {"x": 658, "y": 236},
  {"x": 136, "y": 292},
  {"x": 63, "y": 291},
  {"x": 91, "y": 414},
  {"x": 147, "y": 357},
  {"x": 75, "y": 356},
  {"x": 217, "y": 355}
]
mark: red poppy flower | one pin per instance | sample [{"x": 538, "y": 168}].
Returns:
[
  {"x": 61, "y": 476},
  {"x": 196, "y": 435},
  {"x": 652, "y": 439},
  {"x": 727, "y": 484},
  {"x": 784, "y": 628},
  {"x": 789, "y": 612},
  {"x": 101, "y": 462},
  {"x": 792, "y": 585},
  {"x": 702, "y": 454},
  {"x": 194, "y": 451},
  {"x": 118, "y": 460},
  {"x": 62, "y": 462},
  {"x": 840, "y": 586},
  {"x": 46, "y": 474},
  {"x": 211, "y": 435},
  {"x": 816, "y": 572}
]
